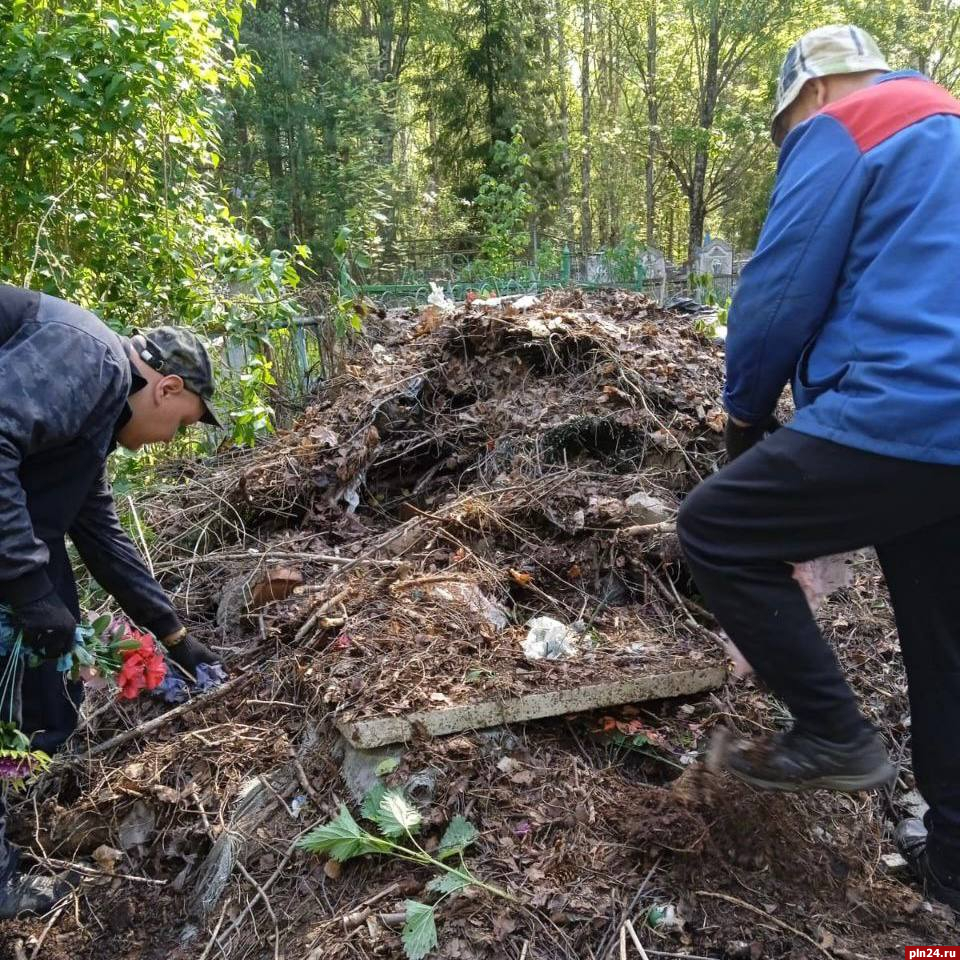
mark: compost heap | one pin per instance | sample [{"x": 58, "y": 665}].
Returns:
[{"x": 469, "y": 469}]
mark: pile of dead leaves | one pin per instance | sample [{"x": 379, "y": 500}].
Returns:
[{"x": 468, "y": 470}]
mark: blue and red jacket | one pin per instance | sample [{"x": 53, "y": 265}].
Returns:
[{"x": 854, "y": 291}]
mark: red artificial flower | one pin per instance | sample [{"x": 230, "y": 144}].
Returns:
[
  {"x": 155, "y": 670},
  {"x": 143, "y": 668},
  {"x": 145, "y": 641},
  {"x": 132, "y": 676}
]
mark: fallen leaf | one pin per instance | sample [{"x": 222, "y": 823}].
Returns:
[
  {"x": 524, "y": 778},
  {"x": 503, "y": 927},
  {"x": 324, "y": 436},
  {"x": 106, "y": 858},
  {"x": 276, "y": 584},
  {"x": 521, "y": 578}
]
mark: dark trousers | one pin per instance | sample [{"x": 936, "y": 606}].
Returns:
[
  {"x": 45, "y": 705},
  {"x": 793, "y": 498}
]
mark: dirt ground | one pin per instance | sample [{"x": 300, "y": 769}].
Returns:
[{"x": 468, "y": 466}]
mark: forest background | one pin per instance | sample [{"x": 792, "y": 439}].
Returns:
[{"x": 204, "y": 161}]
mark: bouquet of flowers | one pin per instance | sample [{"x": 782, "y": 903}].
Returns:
[
  {"x": 110, "y": 651},
  {"x": 106, "y": 653},
  {"x": 18, "y": 762}
]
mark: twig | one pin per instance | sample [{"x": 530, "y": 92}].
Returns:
[
  {"x": 623, "y": 941},
  {"x": 47, "y": 929},
  {"x": 262, "y": 891},
  {"x": 91, "y": 872},
  {"x": 149, "y": 726},
  {"x": 213, "y": 936},
  {"x": 143, "y": 539},
  {"x": 626, "y": 913},
  {"x": 351, "y": 921},
  {"x": 304, "y": 781},
  {"x": 766, "y": 916},
  {"x": 664, "y": 526},
  {"x": 677, "y": 956},
  {"x": 269, "y": 554},
  {"x": 319, "y": 612},
  {"x": 392, "y": 919},
  {"x": 266, "y": 900},
  {"x": 628, "y": 923}
]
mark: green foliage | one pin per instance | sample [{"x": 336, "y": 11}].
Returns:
[
  {"x": 109, "y": 120},
  {"x": 342, "y": 839},
  {"x": 504, "y": 205},
  {"x": 447, "y": 883},
  {"x": 370, "y": 809},
  {"x": 307, "y": 144},
  {"x": 253, "y": 416},
  {"x": 459, "y": 834},
  {"x": 395, "y": 818},
  {"x": 419, "y": 931},
  {"x": 623, "y": 260}
]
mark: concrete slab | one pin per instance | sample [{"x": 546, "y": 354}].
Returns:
[{"x": 379, "y": 731}]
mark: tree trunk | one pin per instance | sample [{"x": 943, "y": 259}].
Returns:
[
  {"x": 586, "y": 232},
  {"x": 614, "y": 177},
  {"x": 652, "y": 110},
  {"x": 489, "y": 80},
  {"x": 923, "y": 59},
  {"x": 244, "y": 146},
  {"x": 708, "y": 106},
  {"x": 562, "y": 79}
]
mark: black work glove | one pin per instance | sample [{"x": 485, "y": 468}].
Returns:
[
  {"x": 49, "y": 628},
  {"x": 740, "y": 439},
  {"x": 188, "y": 653}
]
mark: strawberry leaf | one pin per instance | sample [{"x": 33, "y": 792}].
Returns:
[
  {"x": 370, "y": 809},
  {"x": 447, "y": 883},
  {"x": 420, "y": 930},
  {"x": 397, "y": 816},
  {"x": 342, "y": 839},
  {"x": 458, "y": 836}
]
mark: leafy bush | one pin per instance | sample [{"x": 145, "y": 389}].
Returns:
[{"x": 109, "y": 135}]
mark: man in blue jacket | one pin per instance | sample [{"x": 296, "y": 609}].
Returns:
[
  {"x": 70, "y": 391},
  {"x": 854, "y": 295}
]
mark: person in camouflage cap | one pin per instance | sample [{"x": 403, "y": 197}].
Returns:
[
  {"x": 850, "y": 298},
  {"x": 71, "y": 390}
]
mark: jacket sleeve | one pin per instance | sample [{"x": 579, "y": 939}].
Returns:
[
  {"x": 50, "y": 384},
  {"x": 113, "y": 560},
  {"x": 788, "y": 285}
]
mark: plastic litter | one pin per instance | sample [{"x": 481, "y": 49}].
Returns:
[{"x": 549, "y": 639}]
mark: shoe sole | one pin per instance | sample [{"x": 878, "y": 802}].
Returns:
[{"x": 861, "y": 784}]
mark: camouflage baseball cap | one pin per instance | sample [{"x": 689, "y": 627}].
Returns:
[
  {"x": 176, "y": 350},
  {"x": 824, "y": 52}
]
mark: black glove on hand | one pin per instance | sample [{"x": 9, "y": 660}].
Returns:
[
  {"x": 188, "y": 653},
  {"x": 740, "y": 439},
  {"x": 49, "y": 628}
]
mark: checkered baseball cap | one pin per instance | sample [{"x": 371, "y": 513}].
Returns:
[{"x": 824, "y": 52}]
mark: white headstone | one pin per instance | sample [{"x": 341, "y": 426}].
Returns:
[
  {"x": 597, "y": 269},
  {"x": 715, "y": 257},
  {"x": 654, "y": 263}
]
